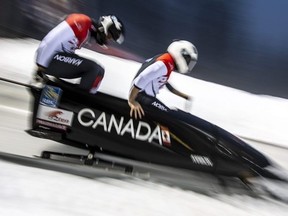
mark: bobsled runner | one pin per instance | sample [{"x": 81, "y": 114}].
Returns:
[{"x": 102, "y": 125}]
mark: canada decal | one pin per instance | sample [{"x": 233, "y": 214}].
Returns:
[
  {"x": 165, "y": 136},
  {"x": 138, "y": 130},
  {"x": 55, "y": 115}
]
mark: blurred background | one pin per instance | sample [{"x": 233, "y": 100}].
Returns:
[{"x": 241, "y": 43}]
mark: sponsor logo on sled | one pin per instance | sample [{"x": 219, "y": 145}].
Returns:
[
  {"x": 59, "y": 116},
  {"x": 138, "y": 130},
  {"x": 201, "y": 160},
  {"x": 51, "y": 124},
  {"x": 50, "y": 96}
]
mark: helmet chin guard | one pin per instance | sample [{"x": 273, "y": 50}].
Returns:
[{"x": 184, "y": 54}]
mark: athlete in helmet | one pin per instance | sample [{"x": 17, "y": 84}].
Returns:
[
  {"x": 56, "y": 53},
  {"x": 181, "y": 56}
]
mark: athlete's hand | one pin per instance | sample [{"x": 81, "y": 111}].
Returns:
[
  {"x": 188, "y": 104},
  {"x": 136, "y": 109}
]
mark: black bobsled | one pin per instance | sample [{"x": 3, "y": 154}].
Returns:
[{"x": 101, "y": 123}]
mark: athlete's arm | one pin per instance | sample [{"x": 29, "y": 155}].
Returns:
[
  {"x": 188, "y": 103},
  {"x": 136, "y": 109},
  {"x": 175, "y": 91}
]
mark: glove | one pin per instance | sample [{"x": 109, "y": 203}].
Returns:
[{"x": 188, "y": 104}]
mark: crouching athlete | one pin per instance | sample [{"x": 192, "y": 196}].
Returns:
[
  {"x": 56, "y": 53},
  {"x": 181, "y": 56}
]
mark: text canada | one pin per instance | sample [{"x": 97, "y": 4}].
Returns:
[{"x": 136, "y": 129}]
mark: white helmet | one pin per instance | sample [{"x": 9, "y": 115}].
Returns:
[{"x": 184, "y": 54}]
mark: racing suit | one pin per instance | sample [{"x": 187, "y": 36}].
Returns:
[
  {"x": 151, "y": 77},
  {"x": 56, "y": 53}
]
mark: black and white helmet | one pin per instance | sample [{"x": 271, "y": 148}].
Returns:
[
  {"x": 109, "y": 27},
  {"x": 184, "y": 54}
]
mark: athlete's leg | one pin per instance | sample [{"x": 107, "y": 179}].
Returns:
[
  {"x": 69, "y": 66},
  {"x": 92, "y": 80},
  {"x": 150, "y": 103}
]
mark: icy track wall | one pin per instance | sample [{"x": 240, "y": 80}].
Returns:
[{"x": 247, "y": 115}]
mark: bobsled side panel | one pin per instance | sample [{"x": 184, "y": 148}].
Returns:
[
  {"x": 181, "y": 140},
  {"x": 240, "y": 149}
]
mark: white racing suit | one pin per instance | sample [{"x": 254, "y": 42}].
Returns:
[
  {"x": 151, "y": 77},
  {"x": 56, "y": 53}
]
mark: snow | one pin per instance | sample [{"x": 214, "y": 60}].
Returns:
[
  {"x": 31, "y": 191},
  {"x": 39, "y": 192}
]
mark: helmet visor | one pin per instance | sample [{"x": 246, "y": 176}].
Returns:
[
  {"x": 116, "y": 34},
  {"x": 120, "y": 40},
  {"x": 189, "y": 61},
  {"x": 191, "y": 65}
]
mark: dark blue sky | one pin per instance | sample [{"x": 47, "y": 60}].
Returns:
[{"x": 267, "y": 24}]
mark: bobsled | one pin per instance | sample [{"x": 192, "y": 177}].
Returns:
[{"x": 101, "y": 123}]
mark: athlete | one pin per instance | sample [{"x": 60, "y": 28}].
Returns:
[
  {"x": 181, "y": 56},
  {"x": 56, "y": 53}
]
